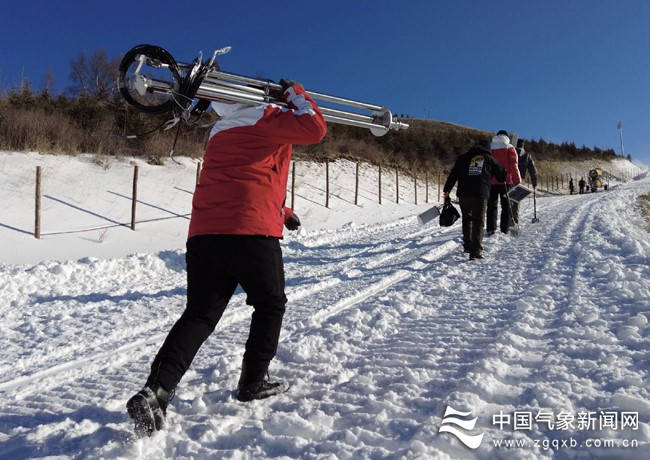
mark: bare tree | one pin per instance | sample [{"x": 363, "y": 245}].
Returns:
[
  {"x": 79, "y": 75},
  {"x": 48, "y": 81},
  {"x": 94, "y": 76}
]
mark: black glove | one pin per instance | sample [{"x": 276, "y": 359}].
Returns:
[
  {"x": 286, "y": 84},
  {"x": 292, "y": 222}
]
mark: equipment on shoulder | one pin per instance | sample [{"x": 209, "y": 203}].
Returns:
[{"x": 152, "y": 81}]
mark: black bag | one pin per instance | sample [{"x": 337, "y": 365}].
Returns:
[{"x": 448, "y": 215}]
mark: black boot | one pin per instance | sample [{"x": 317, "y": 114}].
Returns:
[
  {"x": 148, "y": 409},
  {"x": 254, "y": 383}
]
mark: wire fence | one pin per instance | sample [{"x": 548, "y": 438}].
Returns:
[{"x": 428, "y": 182}]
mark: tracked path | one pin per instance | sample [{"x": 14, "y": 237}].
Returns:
[{"x": 386, "y": 325}]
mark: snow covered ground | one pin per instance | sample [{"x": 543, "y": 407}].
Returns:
[{"x": 388, "y": 324}]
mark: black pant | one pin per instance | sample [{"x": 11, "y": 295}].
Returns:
[
  {"x": 473, "y": 211},
  {"x": 215, "y": 265},
  {"x": 498, "y": 192}
]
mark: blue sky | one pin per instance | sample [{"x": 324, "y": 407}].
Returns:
[{"x": 561, "y": 70}]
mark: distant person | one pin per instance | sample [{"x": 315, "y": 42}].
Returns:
[
  {"x": 238, "y": 214},
  {"x": 506, "y": 155},
  {"x": 474, "y": 171},
  {"x": 526, "y": 164},
  {"x": 571, "y": 187},
  {"x": 581, "y": 185}
]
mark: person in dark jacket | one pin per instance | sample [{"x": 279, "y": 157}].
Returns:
[
  {"x": 474, "y": 171},
  {"x": 581, "y": 185},
  {"x": 237, "y": 218},
  {"x": 506, "y": 155},
  {"x": 571, "y": 186},
  {"x": 526, "y": 164}
]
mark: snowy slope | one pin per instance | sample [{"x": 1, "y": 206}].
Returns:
[{"x": 387, "y": 324}]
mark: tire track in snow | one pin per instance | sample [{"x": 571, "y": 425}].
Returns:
[
  {"x": 455, "y": 350},
  {"x": 90, "y": 364},
  {"x": 237, "y": 312},
  {"x": 529, "y": 319},
  {"x": 409, "y": 355},
  {"x": 371, "y": 256},
  {"x": 501, "y": 367}
]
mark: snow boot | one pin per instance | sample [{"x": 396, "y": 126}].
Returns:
[
  {"x": 475, "y": 255},
  {"x": 254, "y": 383},
  {"x": 148, "y": 409},
  {"x": 260, "y": 390}
]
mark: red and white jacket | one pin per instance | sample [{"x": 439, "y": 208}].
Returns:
[
  {"x": 506, "y": 155},
  {"x": 243, "y": 182}
]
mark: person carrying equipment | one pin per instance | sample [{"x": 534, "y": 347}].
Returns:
[
  {"x": 526, "y": 164},
  {"x": 234, "y": 239},
  {"x": 506, "y": 155},
  {"x": 474, "y": 171}
]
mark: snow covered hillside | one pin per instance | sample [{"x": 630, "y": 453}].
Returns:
[{"x": 387, "y": 326}]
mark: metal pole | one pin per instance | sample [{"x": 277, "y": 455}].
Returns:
[
  {"x": 620, "y": 133},
  {"x": 37, "y": 203},
  {"x": 134, "y": 196}
]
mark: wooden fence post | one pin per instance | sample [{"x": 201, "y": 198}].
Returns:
[
  {"x": 415, "y": 186},
  {"x": 356, "y": 186},
  {"x": 134, "y": 196},
  {"x": 37, "y": 205},
  {"x": 379, "y": 183},
  {"x": 327, "y": 183},
  {"x": 198, "y": 172},
  {"x": 396, "y": 185},
  {"x": 293, "y": 184},
  {"x": 426, "y": 186}
]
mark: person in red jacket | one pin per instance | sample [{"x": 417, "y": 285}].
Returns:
[
  {"x": 237, "y": 218},
  {"x": 506, "y": 155}
]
